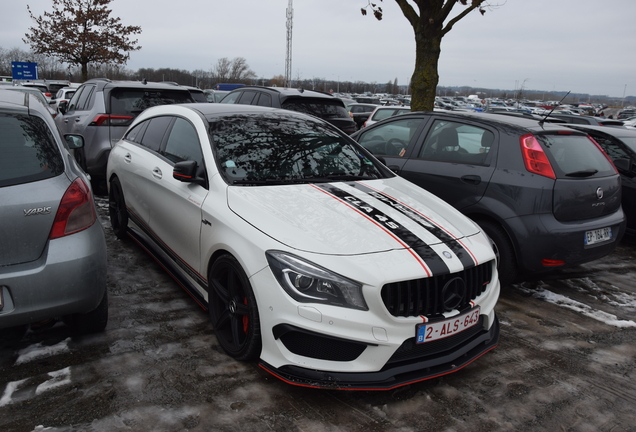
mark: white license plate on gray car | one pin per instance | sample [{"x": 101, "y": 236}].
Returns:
[{"x": 597, "y": 236}]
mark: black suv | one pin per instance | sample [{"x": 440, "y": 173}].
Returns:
[
  {"x": 101, "y": 110},
  {"x": 318, "y": 104},
  {"x": 547, "y": 195}
]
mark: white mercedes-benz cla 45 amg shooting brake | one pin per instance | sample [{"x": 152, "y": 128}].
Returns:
[{"x": 311, "y": 257}]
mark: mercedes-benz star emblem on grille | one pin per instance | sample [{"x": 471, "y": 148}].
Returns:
[
  {"x": 453, "y": 293},
  {"x": 447, "y": 254},
  {"x": 599, "y": 193}
]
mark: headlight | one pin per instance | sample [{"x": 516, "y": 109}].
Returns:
[{"x": 308, "y": 283}]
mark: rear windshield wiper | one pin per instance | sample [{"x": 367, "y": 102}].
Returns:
[{"x": 583, "y": 173}]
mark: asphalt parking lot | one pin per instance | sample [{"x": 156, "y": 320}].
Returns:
[{"x": 566, "y": 362}]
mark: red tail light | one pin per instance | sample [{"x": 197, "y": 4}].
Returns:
[
  {"x": 534, "y": 157},
  {"x": 552, "y": 263},
  {"x": 111, "y": 120},
  {"x": 76, "y": 211}
]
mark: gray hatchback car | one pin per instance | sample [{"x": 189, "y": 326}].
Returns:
[
  {"x": 547, "y": 195},
  {"x": 53, "y": 251},
  {"x": 101, "y": 110}
]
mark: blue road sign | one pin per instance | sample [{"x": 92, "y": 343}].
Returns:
[{"x": 24, "y": 70}]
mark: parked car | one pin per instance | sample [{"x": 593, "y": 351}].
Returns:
[
  {"x": 215, "y": 96},
  {"x": 545, "y": 194},
  {"x": 319, "y": 104},
  {"x": 53, "y": 254},
  {"x": 101, "y": 110},
  {"x": 37, "y": 94},
  {"x": 384, "y": 112},
  {"x": 308, "y": 253},
  {"x": 587, "y": 120},
  {"x": 40, "y": 86},
  {"x": 197, "y": 94},
  {"x": 620, "y": 145},
  {"x": 361, "y": 112},
  {"x": 64, "y": 94}
]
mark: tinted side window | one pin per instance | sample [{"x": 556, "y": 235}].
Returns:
[
  {"x": 136, "y": 133},
  {"x": 73, "y": 102},
  {"x": 231, "y": 97},
  {"x": 391, "y": 138},
  {"x": 264, "y": 100},
  {"x": 613, "y": 149},
  {"x": 29, "y": 151},
  {"x": 323, "y": 108},
  {"x": 84, "y": 99},
  {"x": 183, "y": 143},
  {"x": 457, "y": 142},
  {"x": 247, "y": 97},
  {"x": 157, "y": 128}
]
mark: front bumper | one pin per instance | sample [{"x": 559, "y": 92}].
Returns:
[{"x": 410, "y": 364}]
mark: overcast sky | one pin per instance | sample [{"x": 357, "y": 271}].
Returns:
[{"x": 585, "y": 46}]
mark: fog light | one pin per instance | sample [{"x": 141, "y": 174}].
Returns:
[{"x": 552, "y": 263}]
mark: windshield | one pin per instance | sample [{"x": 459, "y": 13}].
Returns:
[{"x": 270, "y": 148}]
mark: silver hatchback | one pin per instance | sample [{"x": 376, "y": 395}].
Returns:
[{"x": 52, "y": 248}]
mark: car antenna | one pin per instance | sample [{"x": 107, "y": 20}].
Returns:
[{"x": 553, "y": 108}]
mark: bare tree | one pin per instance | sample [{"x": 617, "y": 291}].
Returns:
[
  {"x": 233, "y": 71},
  {"x": 81, "y": 32},
  {"x": 428, "y": 25}
]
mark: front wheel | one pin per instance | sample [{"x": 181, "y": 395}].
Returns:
[
  {"x": 233, "y": 309},
  {"x": 507, "y": 264}
]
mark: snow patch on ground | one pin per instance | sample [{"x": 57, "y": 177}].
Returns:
[
  {"x": 38, "y": 351},
  {"x": 583, "y": 309},
  {"x": 58, "y": 379}
]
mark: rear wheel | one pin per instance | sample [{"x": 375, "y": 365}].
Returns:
[
  {"x": 117, "y": 209},
  {"x": 233, "y": 309},
  {"x": 506, "y": 258}
]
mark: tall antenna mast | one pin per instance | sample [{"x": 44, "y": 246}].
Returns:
[{"x": 288, "y": 59}]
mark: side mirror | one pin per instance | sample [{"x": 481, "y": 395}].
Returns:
[
  {"x": 63, "y": 105},
  {"x": 186, "y": 171},
  {"x": 74, "y": 141}
]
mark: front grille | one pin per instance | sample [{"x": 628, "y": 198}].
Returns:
[
  {"x": 425, "y": 297},
  {"x": 314, "y": 345}
]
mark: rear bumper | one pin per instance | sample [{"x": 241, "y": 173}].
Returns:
[
  {"x": 554, "y": 240},
  {"x": 69, "y": 277},
  {"x": 407, "y": 366}
]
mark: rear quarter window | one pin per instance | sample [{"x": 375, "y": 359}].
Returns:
[{"x": 29, "y": 151}]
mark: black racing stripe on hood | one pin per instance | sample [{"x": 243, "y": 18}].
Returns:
[
  {"x": 432, "y": 260},
  {"x": 453, "y": 244}
]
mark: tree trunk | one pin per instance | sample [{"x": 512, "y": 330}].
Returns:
[
  {"x": 425, "y": 77},
  {"x": 84, "y": 72}
]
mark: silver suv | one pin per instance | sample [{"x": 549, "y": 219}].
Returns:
[
  {"x": 101, "y": 110},
  {"x": 53, "y": 251}
]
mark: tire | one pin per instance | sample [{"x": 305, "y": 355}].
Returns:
[
  {"x": 92, "y": 322},
  {"x": 233, "y": 309},
  {"x": 506, "y": 258},
  {"x": 117, "y": 209}
]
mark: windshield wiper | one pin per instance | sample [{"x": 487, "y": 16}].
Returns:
[{"x": 583, "y": 173}]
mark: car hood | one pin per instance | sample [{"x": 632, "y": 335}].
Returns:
[{"x": 348, "y": 218}]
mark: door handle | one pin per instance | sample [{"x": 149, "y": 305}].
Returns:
[
  {"x": 77, "y": 120},
  {"x": 471, "y": 179},
  {"x": 156, "y": 172},
  {"x": 127, "y": 158}
]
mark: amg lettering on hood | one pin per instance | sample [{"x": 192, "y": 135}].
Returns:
[{"x": 427, "y": 256}]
